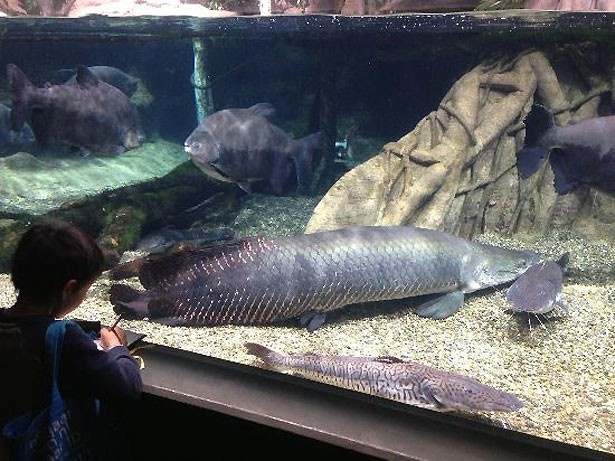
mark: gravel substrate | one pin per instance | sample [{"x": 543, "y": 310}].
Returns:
[{"x": 563, "y": 369}]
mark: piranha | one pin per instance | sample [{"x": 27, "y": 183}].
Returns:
[
  {"x": 262, "y": 280},
  {"x": 90, "y": 115},
  {"x": 392, "y": 378},
  {"x": 243, "y": 146},
  {"x": 579, "y": 153},
  {"x": 539, "y": 289}
]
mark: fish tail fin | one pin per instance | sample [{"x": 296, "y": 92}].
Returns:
[
  {"x": 533, "y": 155},
  {"x": 128, "y": 301},
  {"x": 269, "y": 357},
  {"x": 537, "y": 123},
  {"x": 304, "y": 157},
  {"x": 20, "y": 93}
]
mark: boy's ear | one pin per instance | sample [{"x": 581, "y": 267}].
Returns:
[{"x": 69, "y": 289}]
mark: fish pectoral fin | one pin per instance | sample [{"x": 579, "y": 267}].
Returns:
[
  {"x": 171, "y": 321},
  {"x": 426, "y": 397},
  {"x": 389, "y": 359},
  {"x": 312, "y": 320},
  {"x": 442, "y": 306},
  {"x": 561, "y": 179},
  {"x": 134, "y": 310},
  {"x": 444, "y": 403},
  {"x": 246, "y": 186}
]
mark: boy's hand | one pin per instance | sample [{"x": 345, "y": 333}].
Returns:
[{"x": 112, "y": 337}]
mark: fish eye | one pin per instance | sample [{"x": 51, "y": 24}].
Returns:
[{"x": 197, "y": 145}]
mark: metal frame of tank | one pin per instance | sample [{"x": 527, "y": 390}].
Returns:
[{"x": 348, "y": 419}]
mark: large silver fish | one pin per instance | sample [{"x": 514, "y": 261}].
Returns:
[
  {"x": 264, "y": 280},
  {"x": 392, "y": 378}
]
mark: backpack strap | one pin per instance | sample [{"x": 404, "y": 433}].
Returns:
[{"x": 54, "y": 338}]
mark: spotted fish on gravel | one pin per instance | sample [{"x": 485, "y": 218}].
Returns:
[
  {"x": 394, "y": 379},
  {"x": 264, "y": 280}
]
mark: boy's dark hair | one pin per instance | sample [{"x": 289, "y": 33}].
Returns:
[{"x": 50, "y": 254}]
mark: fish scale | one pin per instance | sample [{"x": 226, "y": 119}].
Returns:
[
  {"x": 264, "y": 280},
  {"x": 395, "y": 379}
]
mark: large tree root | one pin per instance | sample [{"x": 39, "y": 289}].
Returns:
[{"x": 456, "y": 171}]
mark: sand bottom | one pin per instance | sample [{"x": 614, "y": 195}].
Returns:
[{"x": 563, "y": 370}]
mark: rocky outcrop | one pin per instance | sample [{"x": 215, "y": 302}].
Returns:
[{"x": 456, "y": 170}]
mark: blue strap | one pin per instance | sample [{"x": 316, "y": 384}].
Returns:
[{"x": 54, "y": 338}]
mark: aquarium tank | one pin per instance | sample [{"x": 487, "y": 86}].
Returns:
[{"x": 412, "y": 201}]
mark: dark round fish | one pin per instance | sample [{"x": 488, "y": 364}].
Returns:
[
  {"x": 243, "y": 146},
  {"x": 579, "y": 153},
  {"x": 539, "y": 289},
  {"x": 90, "y": 115}
]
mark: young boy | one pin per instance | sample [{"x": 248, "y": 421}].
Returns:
[{"x": 53, "y": 267}]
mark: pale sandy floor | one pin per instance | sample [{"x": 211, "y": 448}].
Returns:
[{"x": 564, "y": 371}]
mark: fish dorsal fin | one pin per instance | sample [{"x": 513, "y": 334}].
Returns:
[
  {"x": 388, "y": 359},
  {"x": 85, "y": 77},
  {"x": 165, "y": 268},
  {"x": 263, "y": 109}
]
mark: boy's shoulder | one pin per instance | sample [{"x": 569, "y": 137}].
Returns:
[
  {"x": 12, "y": 342},
  {"x": 22, "y": 373}
]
